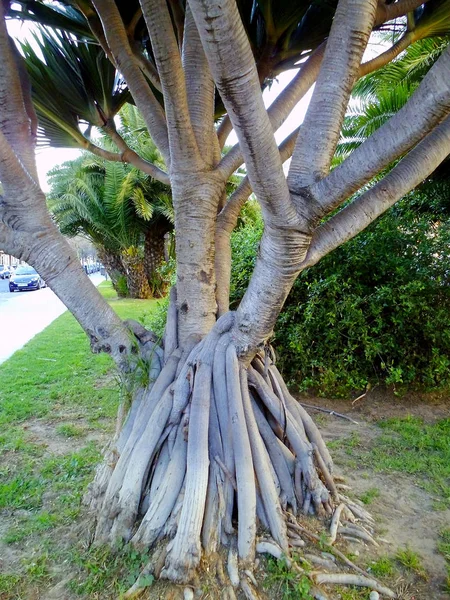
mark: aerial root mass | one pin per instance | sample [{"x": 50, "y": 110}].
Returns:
[{"x": 215, "y": 455}]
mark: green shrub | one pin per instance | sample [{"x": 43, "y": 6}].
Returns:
[{"x": 374, "y": 310}]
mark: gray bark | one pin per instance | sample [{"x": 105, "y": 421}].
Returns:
[{"x": 319, "y": 135}]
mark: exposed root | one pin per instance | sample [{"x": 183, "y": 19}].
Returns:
[
  {"x": 335, "y": 523},
  {"x": 209, "y": 453},
  {"x": 358, "y": 580}
]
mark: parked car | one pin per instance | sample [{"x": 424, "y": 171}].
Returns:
[
  {"x": 6, "y": 271},
  {"x": 25, "y": 278}
]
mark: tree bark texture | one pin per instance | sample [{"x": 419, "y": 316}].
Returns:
[
  {"x": 154, "y": 258},
  {"x": 114, "y": 267},
  {"x": 137, "y": 281}
]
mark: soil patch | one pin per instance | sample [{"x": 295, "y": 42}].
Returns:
[{"x": 405, "y": 514}]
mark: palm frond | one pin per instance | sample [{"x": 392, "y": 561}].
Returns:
[{"x": 72, "y": 82}]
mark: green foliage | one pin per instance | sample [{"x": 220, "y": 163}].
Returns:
[
  {"x": 44, "y": 472},
  {"x": 444, "y": 544},
  {"x": 72, "y": 84},
  {"x": 102, "y": 570},
  {"x": 121, "y": 286},
  {"x": 285, "y": 583},
  {"x": 157, "y": 320},
  {"x": 372, "y": 311},
  {"x": 69, "y": 430},
  {"x": 369, "y": 495},
  {"x": 244, "y": 248},
  {"x": 444, "y": 548},
  {"x": 411, "y": 561},
  {"x": 409, "y": 446},
  {"x": 382, "y": 567}
]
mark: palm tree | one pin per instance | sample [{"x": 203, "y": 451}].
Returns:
[
  {"x": 116, "y": 207},
  {"x": 380, "y": 94},
  {"x": 77, "y": 209}
]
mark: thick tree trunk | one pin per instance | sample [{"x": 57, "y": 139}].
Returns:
[
  {"x": 196, "y": 199},
  {"x": 137, "y": 282},
  {"x": 115, "y": 269},
  {"x": 154, "y": 257}
]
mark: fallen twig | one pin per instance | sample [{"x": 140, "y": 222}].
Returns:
[
  {"x": 330, "y": 412},
  {"x": 332, "y": 549}
]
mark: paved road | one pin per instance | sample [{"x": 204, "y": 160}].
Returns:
[{"x": 24, "y": 314}]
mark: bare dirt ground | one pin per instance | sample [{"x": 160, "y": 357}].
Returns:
[{"x": 405, "y": 514}]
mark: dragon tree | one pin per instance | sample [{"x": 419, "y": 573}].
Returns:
[{"x": 214, "y": 449}]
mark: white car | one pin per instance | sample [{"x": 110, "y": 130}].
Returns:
[{"x": 6, "y": 271}]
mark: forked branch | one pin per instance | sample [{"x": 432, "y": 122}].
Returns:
[
  {"x": 429, "y": 104},
  {"x": 128, "y": 155},
  {"x": 411, "y": 170},
  {"x": 182, "y": 141},
  {"x": 352, "y": 25},
  {"x": 234, "y": 71}
]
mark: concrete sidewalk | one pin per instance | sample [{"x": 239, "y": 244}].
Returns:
[{"x": 23, "y": 315}]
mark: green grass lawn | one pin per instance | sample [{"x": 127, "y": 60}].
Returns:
[{"x": 58, "y": 403}]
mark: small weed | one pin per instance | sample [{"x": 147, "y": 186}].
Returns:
[
  {"x": 37, "y": 569},
  {"x": 444, "y": 548},
  {"x": 410, "y": 446},
  {"x": 348, "y": 443},
  {"x": 23, "y": 491},
  {"x": 8, "y": 582},
  {"x": 369, "y": 495},
  {"x": 383, "y": 567},
  {"x": 69, "y": 431},
  {"x": 26, "y": 527},
  {"x": 285, "y": 583},
  {"x": 411, "y": 561},
  {"x": 444, "y": 544},
  {"x": 102, "y": 569},
  {"x": 351, "y": 594},
  {"x": 13, "y": 439}
]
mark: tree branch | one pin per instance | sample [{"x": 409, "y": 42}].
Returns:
[
  {"x": 130, "y": 156},
  {"x": 233, "y": 68},
  {"x": 200, "y": 90},
  {"x": 27, "y": 232},
  {"x": 182, "y": 141},
  {"x": 224, "y": 130},
  {"x": 388, "y": 12},
  {"x": 386, "y": 57},
  {"x": 352, "y": 25},
  {"x": 282, "y": 106},
  {"x": 146, "y": 66},
  {"x": 429, "y": 104},
  {"x": 228, "y": 216},
  {"x": 226, "y": 223},
  {"x": 410, "y": 171},
  {"x": 125, "y": 60},
  {"x": 15, "y": 122}
]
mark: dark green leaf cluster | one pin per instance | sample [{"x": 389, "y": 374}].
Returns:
[{"x": 375, "y": 310}]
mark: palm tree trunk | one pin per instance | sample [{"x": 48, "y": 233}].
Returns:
[
  {"x": 154, "y": 257},
  {"x": 137, "y": 282},
  {"x": 115, "y": 269}
]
